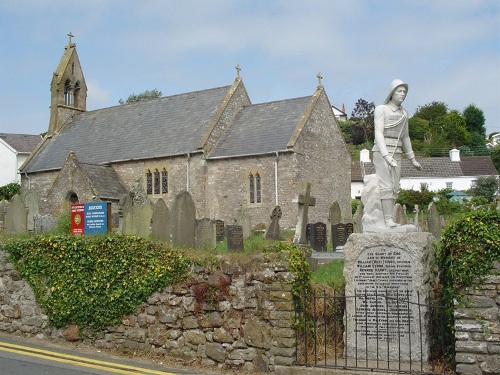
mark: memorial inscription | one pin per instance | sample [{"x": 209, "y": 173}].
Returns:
[{"x": 234, "y": 234}]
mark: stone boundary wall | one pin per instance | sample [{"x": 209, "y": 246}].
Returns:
[
  {"x": 477, "y": 328},
  {"x": 239, "y": 318}
]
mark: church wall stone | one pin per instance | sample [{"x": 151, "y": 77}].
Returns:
[{"x": 323, "y": 159}]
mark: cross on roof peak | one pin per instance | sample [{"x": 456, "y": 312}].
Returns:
[
  {"x": 70, "y": 35},
  {"x": 238, "y": 69},
  {"x": 320, "y": 77}
]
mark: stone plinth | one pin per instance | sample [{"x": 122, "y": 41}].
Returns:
[{"x": 387, "y": 289}]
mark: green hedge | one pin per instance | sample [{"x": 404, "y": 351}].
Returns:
[{"x": 94, "y": 281}]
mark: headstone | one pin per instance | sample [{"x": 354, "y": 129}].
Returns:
[
  {"x": 357, "y": 219},
  {"x": 243, "y": 218},
  {"x": 388, "y": 276},
  {"x": 137, "y": 212},
  {"x": 335, "y": 214},
  {"x": 44, "y": 223},
  {"x": 399, "y": 215},
  {"x": 273, "y": 232},
  {"x": 219, "y": 230},
  {"x": 434, "y": 221},
  {"x": 205, "y": 236},
  {"x": 16, "y": 217},
  {"x": 184, "y": 220},
  {"x": 3, "y": 209},
  {"x": 160, "y": 221},
  {"x": 304, "y": 201},
  {"x": 340, "y": 234},
  {"x": 32, "y": 201},
  {"x": 318, "y": 236},
  {"x": 415, "y": 218},
  {"x": 234, "y": 235}
]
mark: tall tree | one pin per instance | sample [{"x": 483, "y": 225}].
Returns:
[
  {"x": 432, "y": 112},
  {"x": 145, "y": 95},
  {"x": 362, "y": 117},
  {"x": 474, "y": 120}
]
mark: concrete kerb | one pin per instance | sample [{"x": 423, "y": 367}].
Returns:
[{"x": 302, "y": 370}]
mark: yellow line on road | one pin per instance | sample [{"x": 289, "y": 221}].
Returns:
[{"x": 79, "y": 361}]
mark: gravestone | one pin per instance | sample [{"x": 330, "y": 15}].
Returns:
[
  {"x": 357, "y": 220},
  {"x": 3, "y": 209},
  {"x": 304, "y": 201},
  {"x": 399, "y": 215},
  {"x": 415, "y": 218},
  {"x": 318, "y": 236},
  {"x": 234, "y": 235},
  {"x": 183, "y": 220},
  {"x": 273, "y": 232},
  {"x": 16, "y": 217},
  {"x": 243, "y": 218},
  {"x": 219, "y": 230},
  {"x": 137, "y": 212},
  {"x": 160, "y": 221},
  {"x": 44, "y": 223},
  {"x": 205, "y": 236},
  {"x": 335, "y": 215},
  {"x": 434, "y": 221},
  {"x": 340, "y": 234},
  {"x": 388, "y": 276},
  {"x": 32, "y": 201}
]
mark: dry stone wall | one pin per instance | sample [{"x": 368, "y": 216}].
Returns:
[
  {"x": 237, "y": 318},
  {"x": 477, "y": 328}
]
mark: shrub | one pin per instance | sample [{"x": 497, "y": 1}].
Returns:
[
  {"x": 94, "y": 281},
  {"x": 9, "y": 190}
]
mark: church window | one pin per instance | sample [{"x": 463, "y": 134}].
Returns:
[
  {"x": 149, "y": 182},
  {"x": 157, "y": 182},
  {"x": 252, "y": 188},
  {"x": 68, "y": 93},
  {"x": 257, "y": 188},
  {"x": 164, "y": 181}
]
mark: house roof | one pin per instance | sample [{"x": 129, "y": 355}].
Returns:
[
  {"x": 471, "y": 166},
  {"x": 22, "y": 143},
  {"x": 261, "y": 128},
  {"x": 105, "y": 181},
  {"x": 161, "y": 127}
]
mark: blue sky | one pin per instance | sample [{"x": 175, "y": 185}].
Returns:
[{"x": 447, "y": 50}]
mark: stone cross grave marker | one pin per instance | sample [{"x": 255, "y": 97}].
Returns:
[
  {"x": 273, "y": 232},
  {"x": 304, "y": 201},
  {"x": 234, "y": 235}
]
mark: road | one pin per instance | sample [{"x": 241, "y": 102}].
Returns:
[{"x": 21, "y": 356}]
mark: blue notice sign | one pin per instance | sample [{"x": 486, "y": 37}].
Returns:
[{"x": 96, "y": 218}]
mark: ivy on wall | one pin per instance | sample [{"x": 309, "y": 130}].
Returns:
[{"x": 93, "y": 281}]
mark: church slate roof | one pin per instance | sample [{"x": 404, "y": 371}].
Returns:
[
  {"x": 155, "y": 128},
  {"x": 105, "y": 181},
  {"x": 470, "y": 166},
  {"x": 261, "y": 128},
  {"x": 22, "y": 143}
]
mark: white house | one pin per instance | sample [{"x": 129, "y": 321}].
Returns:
[
  {"x": 14, "y": 150},
  {"x": 437, "y": 173}
]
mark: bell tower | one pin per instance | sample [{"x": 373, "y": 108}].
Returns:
[{"x": 68, "y": 89}]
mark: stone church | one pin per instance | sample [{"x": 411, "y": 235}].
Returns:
[{"x": 228, "y": 153}]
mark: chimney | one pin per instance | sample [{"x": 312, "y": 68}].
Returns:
[
  {"x": 455, "y": 155},
  {"x": 364, "y": 156}
]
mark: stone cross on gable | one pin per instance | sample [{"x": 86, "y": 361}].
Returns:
[
  {"x": 70, "y": 35},
  {"x": 304, "y": 200}
]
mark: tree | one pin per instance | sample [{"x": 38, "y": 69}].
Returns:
[
  {"x": 495, "y": 156},
  {"x": 453, "y": 128},
  {"x": 474, "y": 120},
  {"x": 362, "y": 117},
  {"x": 486, "y": 187},
  {"x": 431, "y": 111},
  {"x": 9, "y": 190},
  {"x": 420, "y": 132},
  {"x": 146, "y": 95}
]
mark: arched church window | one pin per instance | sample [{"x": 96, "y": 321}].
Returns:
[
  {"x": 68, "y": 93},
  {"x": 257, "y": 188},
  {"x": 157, "y": 182},
  {"x": 251, "y": 182},
  {"x": 149, "y": 182},
  {"x": 164, "y": 181}
]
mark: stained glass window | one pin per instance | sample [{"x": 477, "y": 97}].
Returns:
[
  {"x": 257, "y": 185},
  {"x": 149, "y": 182},
  {"x": 252, "y": 188},
  {"x": 164, "y": 181},
  {"x": 157, "y": 182}
]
